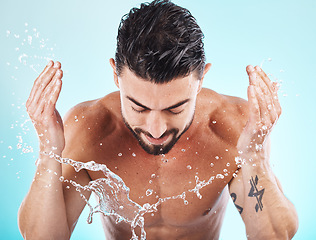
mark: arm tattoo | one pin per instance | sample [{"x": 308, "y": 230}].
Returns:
[
  {"x": 234, "y": 198},
  {"x": 255, "y": 193}
]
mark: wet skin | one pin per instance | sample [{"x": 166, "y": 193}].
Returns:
[
  {"x": 211, "y": 130},
  {"x": 208, "y": 146}
]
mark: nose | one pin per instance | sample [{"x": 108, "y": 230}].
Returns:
[{"x": 156, "y": 124}]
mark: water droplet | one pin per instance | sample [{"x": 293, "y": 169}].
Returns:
[
  {"x": 153, "y": 175},
  {"x": 189, "y": 167},
  {"x": 228, "y": 164},
  {"x": 185, "y": 202},
  {"x": 133, "y": 154},
  {"x": 219, "y": 176},
  {"x": 120, "y": 154},
  {"x": 29, "y": 39},
  {"x": 214, "y": 122},
  {"x": 149, "y": 192},
  {"x": 212, "y": 164},
  {"x": 258, "y": 147},
  {"x": 183, "y": 150},
  {"x": 216, "y": 157}
]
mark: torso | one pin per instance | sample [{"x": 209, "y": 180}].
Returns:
[{"x": 206, "y": 150}]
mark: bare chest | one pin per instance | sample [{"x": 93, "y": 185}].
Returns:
[{"x": 186, "y": 185}]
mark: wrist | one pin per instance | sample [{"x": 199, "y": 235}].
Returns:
[{"x": 253, "y": 159}]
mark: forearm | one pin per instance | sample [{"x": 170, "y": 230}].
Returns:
[
  {"x": 42, "y": 214},
  {"x": 267, "y": 213}
]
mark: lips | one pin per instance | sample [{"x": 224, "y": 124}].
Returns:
[{"x": 157, "y": 141}]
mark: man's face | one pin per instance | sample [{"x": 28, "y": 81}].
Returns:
[{"x": 157, "y": 114}]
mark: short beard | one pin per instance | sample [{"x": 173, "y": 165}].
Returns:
[{"x": 157, "y": 149}]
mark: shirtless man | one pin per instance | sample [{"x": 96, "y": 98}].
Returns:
[{"x": 162, "y": 122}]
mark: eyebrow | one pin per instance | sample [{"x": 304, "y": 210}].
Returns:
[{"x": 168, "y": 108}]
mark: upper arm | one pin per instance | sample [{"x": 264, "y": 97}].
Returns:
[
  {"x": 74, "y": 200},
  {"x": 74, "y": 149}
]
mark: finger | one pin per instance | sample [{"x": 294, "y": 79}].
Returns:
[
  {"x": 52, "y": 98},
  {"x": 264, "y": 82},
  {"x": 42, "y": 83},
  {"x": 263, "y": 109},
  {"x": 254, "y": 112},
  {"x": 276, "y": 101},
  {"x": 271, "y": 114},
  {"x": 39, "y": 108},
  {"x": 47, "y": 93},
  {"x": 48, "y": 66},
  {"x": 265, "y": 78},
  {"x": 251, "y": 73}
]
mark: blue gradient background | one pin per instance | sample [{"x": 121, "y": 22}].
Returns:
[{"x": 82, "y": 36}]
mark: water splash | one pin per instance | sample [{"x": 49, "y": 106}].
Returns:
[{"x": 114, "y": 196}]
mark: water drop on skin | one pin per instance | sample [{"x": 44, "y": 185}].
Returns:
[
  {"x": 149, "y": 192},
  {"x": 189, "y": 167},
  {"x": 219, "y": 176}
]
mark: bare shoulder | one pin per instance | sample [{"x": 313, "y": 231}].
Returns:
[
  {"x": 89, "y": 121},
  {"x": 227, "y": 114}
]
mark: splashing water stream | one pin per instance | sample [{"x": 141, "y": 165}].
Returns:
[{"x": 113, "y": 195}]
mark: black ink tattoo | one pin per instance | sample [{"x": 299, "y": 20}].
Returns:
[
  {"x": 234, "y": 198},
  {"x": 255, "y": 193}
]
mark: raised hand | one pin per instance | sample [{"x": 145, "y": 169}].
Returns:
[
  {"x": 264, "y": 111},
  {"x": 41, "y": 107}
]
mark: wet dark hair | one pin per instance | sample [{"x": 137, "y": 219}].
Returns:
[{"x": 160, "y": 41}]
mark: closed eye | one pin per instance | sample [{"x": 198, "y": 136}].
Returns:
[
  {"x": 139, "y": 110},
  {"x": 175, "y": 111}
]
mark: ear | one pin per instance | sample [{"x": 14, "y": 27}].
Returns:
[
  {"x": 206, "y": 68},
  {"x": 112, "y": 62}
]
